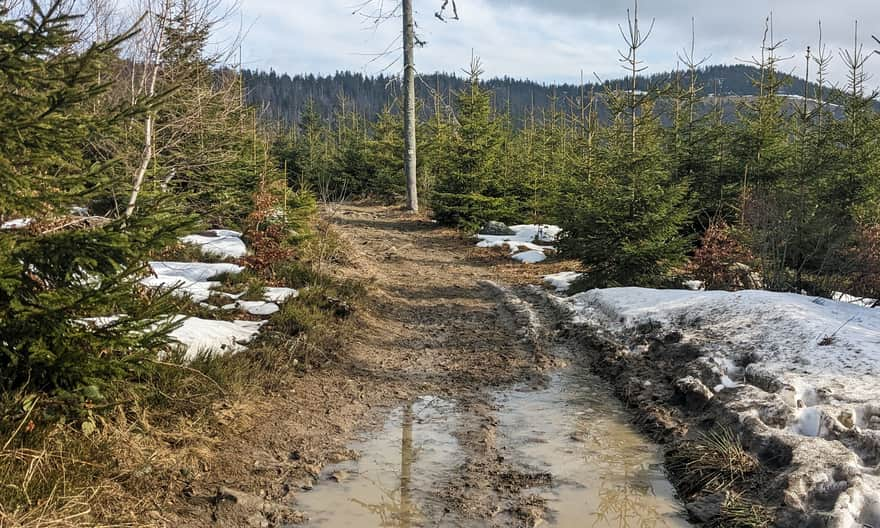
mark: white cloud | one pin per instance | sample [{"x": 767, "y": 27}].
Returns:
[{"x": 543, "y": 40}]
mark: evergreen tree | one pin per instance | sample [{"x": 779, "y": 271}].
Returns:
[
  {"x": 437, "y": 146},
  {"x": 386, "y": 156},
  {"x": 351, "y": 160},
  {"x": 767, "y": 157},
  {"x": 62, "y": 270},
  {"x": 306, "y": 153},
  {"x": 472, "y": 193},
  {"x": 625, "y": 225}
]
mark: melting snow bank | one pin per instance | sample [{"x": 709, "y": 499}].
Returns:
[
  {"x": 218, "y": 243},
  {"x": 214, "y": 337},
  {"x": 189, "y": 278},
  {"x": 798, "y": 374},
  {"x": 528, "y": 244}
]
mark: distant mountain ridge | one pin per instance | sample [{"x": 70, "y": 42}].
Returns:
[{"x": 283, "y": 96}]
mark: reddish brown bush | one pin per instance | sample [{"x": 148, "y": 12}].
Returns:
[
  {"x": 722, "y": 261},
  {"x": 865, "y": 257},
  {"x": 267, "y": 234}
]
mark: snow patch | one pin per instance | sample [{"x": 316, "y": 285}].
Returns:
[
  {"x": 851, "y": 299},
  {"x": 528, "y": 245},
  {"x": 530, "y": 257},
  {"x": 221, "y": 243},
  {"x": 18, "y": 223},
  {"x": 562, "y": 281},
  {"x": 280, "y": 295},
  {"x": 214, "y": 337},
  {"x": 694, "y": 285},
  {"x": 254, "y": 307},
  {"x": 189, "y": 278}
]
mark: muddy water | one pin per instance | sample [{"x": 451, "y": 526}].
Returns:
[
  {"x": 390, "y": 484},
  {"x": 604, "y": 473}
]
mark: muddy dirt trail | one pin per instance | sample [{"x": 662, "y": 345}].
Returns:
[{"x": 452, "y": 405}]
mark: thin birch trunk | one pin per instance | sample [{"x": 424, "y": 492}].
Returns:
[{"x": 409, "y": 88}]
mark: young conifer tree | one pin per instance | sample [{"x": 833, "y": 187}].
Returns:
[
  {"x": 472, "y": 193},
  {"x": 767, "y": 157},
  {"x": 60, "y": 271},
  {"x": 625, "y": 225},
  {"x": 386, "y": 151}
]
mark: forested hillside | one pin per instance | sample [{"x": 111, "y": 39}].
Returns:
[{"x": 284, "y": 96}]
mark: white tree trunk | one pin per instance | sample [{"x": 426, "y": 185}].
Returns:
[
  {"x": 409, "y": 108},
  {"x": 151, "y": 74}
]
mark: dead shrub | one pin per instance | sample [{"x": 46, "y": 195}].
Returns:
[
  {"x": 716, "y": 261},
  {"x": 865, "y": 258}
]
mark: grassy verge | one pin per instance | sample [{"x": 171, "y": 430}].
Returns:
[{"x": 107, "y": 463}]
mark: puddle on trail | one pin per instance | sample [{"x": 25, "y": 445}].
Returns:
[
  {"x": 391, "y": 484},
  {"x": 605, "y": 474}
]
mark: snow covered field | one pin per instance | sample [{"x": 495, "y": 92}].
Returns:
[
  {"x": 529, "y": 245},
  {"x": 799, "y": 368}
]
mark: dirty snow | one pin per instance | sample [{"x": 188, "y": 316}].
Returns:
[
  {"x": 18, "y": 223},
  {"x": 805, "y": 340},
  {"x": 562, "y": 281},
  {"x": 221, "y": 243},
  {"x": 529, "y": 245},
  {"x": 190, "y": 278},
  {"x": 803, "y": 369},
  {"x": 216, "y": 337}
]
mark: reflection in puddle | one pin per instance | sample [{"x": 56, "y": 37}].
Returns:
[
  {"x": 390, "y": 485},
  {"x": 605, "y": 473}
]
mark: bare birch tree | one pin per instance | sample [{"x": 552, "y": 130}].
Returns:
[
  {"x": 410, "y": 41},
  {"x": 153, "y": 43}
]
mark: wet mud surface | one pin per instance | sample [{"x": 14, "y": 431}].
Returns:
[{"x": 450, "y": 404}]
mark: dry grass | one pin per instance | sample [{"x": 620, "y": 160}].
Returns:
[
  {"x": 163, "y": 430},
  {"x": 716, "y": 461},
  {"x": 739, "y": 512}
]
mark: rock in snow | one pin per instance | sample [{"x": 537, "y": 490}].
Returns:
[{"x": 497, "y": 229}]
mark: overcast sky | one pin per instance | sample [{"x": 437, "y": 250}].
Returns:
[{"x": 545, "y": 40}]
